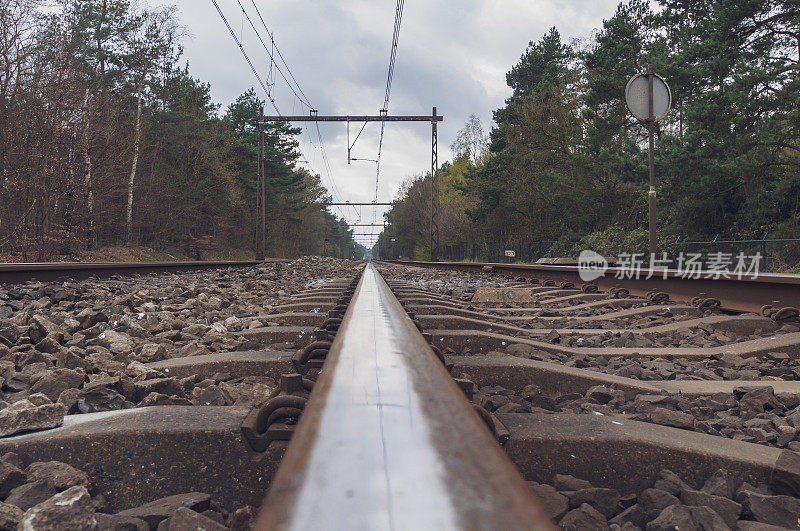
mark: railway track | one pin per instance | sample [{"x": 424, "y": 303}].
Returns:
[
  {"x": 392, "y": 397},
  {"x": 745, "y": 294},
  {"x": 623, "y": 391}
]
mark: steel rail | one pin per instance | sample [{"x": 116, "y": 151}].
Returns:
[
  {"x": 17, "y": 273},
  {"x": 389, "y": 441},
  {"x": 740, "y": 295}
]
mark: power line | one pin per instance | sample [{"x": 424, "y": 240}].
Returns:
[
  {"x": 327, "y": 165},
  {"x": 289, "y": 70},
  {"x": 398, "y": 19},
  {"x": 303, "y": 100},
  {"x": 299, "y": 93},
  {"x": 267, "y": 91},
  {"x": 334, "y": 190},
  {"x": 246, "y": 57}
]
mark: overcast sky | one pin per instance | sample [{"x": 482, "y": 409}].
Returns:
[{"x": 452, "y": 54}]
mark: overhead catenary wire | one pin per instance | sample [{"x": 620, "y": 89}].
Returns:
[
  {"x": 272, "y": 50},
  {"x": 302, "y": 99},
  {"x": 246, "y": 57},
  {"x": 298, "y": 93},
  {"x": 398, "y": 20},
  {"x": 393, "y": 52},
  {"x": 280, "y": 55},
  {"x": 334, "y": 190},
  {"x": 327, "y": 164}
]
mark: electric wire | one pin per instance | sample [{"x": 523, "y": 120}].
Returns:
[
  {"x": 327, "y": 165},
  {"x": 278, "y": 50},
  {"x": 334, "y": 190},
  {"x": 358, "y": 135},
  {"x": 264, "y": 85},
  {"x": 246, "y": 57},
  {"x": 398, "y": 19},
  {"x": 304, "y": 99}
]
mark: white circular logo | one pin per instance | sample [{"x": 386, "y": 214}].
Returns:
[{"x": 591, "y": 266}]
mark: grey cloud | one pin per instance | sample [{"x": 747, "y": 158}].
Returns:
[{"x": 339, "y": 50}]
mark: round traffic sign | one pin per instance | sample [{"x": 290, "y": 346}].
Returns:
[{"x": 637, "y": 96}]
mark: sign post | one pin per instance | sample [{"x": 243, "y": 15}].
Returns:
[{"x": 648, "y": 99}]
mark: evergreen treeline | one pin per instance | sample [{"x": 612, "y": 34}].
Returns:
[
  {"x": 566, "y": 163},
  {"x": 106, "y": 140}
]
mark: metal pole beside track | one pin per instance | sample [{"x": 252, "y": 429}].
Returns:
[
  {"x": 389, "y": 441},
  {"x": 434, "y": 190},
  {"x": 652, "y": 195},
  {"x": 261, "y": 194}
]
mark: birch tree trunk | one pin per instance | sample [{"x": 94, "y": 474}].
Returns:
[
  {"x": 134, "y": 163},
  {"x": 87, "y": 179}
]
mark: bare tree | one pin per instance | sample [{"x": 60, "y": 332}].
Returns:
[
  {"x": 155, "y": 39},
  {"x": 471, "y": 140}
]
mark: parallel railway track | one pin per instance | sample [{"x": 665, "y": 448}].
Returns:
[
  {"x": 595, "y": 396},
  {"x": 746, "y": 294}
]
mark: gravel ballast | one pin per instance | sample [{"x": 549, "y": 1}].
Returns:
[{"x": 73, "y": 347}]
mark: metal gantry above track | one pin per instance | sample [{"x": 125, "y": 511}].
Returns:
[
  {"x": 313, "y": 117},
  {"x": 383, "y": 117}
]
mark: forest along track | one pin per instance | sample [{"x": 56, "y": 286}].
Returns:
[
  {"x": 621, "y": 410},
  {"x": 123, "y": 398}
]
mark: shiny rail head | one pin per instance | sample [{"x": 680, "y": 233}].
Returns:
[{"x": 389, "y": 441}]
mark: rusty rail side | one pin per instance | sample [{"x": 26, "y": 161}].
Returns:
[
  {"x": 740, "y": 295},
  {"x": 389, "y": 441},
  {"x": 45, "y": 272}
]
